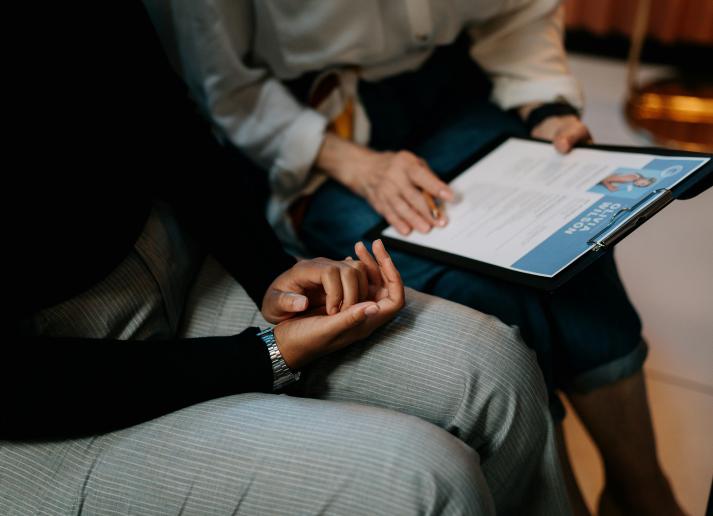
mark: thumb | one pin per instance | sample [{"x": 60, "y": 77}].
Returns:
[
  {"x": 289, "y": 302},
  {"x": 562, "y": 143},
  {"x": 355, "y": 315}
]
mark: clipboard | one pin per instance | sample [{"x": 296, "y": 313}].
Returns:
[{"x": 619, "y": 225}]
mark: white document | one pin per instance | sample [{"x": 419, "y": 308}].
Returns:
[{"x": 526, "y": 207}]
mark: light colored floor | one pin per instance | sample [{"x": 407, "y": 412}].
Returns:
[{"x": 667, "y": 267}]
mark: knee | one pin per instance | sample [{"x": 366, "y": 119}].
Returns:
[
  {"x": 499, "y": 357},
  {"x": 519, "y": 373},
  {"x": 485, "y": 355},
  {"x": 437, "y": 473},
  {"x": 501, "y": 372}
]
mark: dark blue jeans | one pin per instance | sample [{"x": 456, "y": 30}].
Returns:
[{"x": 586, "y": 334}]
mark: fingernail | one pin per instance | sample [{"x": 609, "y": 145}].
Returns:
[
  {"x": 297, "y": 301},
  {"x": 442, "y": 222},
  {"x": 371, "y": 310},
  {"x": 445, "y": 194}
]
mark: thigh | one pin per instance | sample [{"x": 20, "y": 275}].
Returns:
[
  {"x": 446, "y": 364},
  {"x": 586, "y": 334},
  {"x": 465, "y": 372},
  {"x": 437, "y": 360},
  {"x": 513, "y": 304},
  {"x": 250, "y": 454},
  {"x": 44, "y": 477}
]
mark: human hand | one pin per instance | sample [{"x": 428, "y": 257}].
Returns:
[
  {"x": 392, "y": 182},
  {"x": 334, "y": 285},
  {"x": 307, "y": 337},
  {"x": 564, "y": 131}
]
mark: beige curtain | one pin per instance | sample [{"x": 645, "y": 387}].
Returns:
[{"x": 672, "y": 21}]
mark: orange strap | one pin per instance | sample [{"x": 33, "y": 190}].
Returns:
[{"x": 343, "y": 124}]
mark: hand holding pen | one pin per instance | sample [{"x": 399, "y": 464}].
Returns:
[{"x": 392, "y": 182}]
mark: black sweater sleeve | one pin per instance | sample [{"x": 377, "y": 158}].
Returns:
[
  {"x": 51, "y": 387},
  {"x": 128, "y": 132},
  {"x": 223, "y": 213}
]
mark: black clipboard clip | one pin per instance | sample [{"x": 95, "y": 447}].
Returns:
[{"x": 638, "y": 213}]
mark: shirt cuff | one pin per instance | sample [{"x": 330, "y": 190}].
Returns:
[
  {"x": 300, "y": 145},
  {"x": 509, "y": 93}
]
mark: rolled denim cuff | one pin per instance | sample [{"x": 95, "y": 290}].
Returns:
[{"x": 613, "y": 371}]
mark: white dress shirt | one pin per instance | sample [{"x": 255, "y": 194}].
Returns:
[{"x": 234, "y": 54}]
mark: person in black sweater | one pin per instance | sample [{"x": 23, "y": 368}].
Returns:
[{"x": 132, "y": 379}]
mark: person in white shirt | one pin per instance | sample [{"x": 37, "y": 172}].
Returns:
[{"x": 353, "y": 109}]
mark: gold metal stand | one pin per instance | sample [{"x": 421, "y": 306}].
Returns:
[{"x": 669, "y": 112}]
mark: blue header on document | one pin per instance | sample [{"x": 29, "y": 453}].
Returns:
[{"x": 621, "y": 189}]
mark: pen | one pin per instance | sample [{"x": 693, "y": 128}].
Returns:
[{"x": 432, "y": 206}]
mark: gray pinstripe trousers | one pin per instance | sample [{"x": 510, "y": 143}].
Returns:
[{"x": 442, "y": 411}]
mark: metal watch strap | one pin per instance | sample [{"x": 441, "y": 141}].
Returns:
[{"x": 282, "y": 375}]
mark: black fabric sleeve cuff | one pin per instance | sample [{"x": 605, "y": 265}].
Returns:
[
  {"x": 541, "y": 113},
  {"x": 52, "y": 387}
]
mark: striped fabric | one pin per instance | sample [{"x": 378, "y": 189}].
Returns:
[{"x": 442, "y": 411}]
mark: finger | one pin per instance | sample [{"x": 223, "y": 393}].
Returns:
[
  {"x": 332, "y": 284},
  {"x": 404, "y": 210},
  {"x": 386, "y": 264},
  {"x": 279, "y": 305},
  {"x": 335, "y": 325},
  {"x": 291, "y": 302},
  {"x": 307, "y": 274},
  {"x": 394, "y": 284},
  {"x": 396, "y": 221},
  {"x": 362, "y": 277},
  {"x": 562, "y": 145},
  {"x": 425, "y": 178},
  {"x": 570, "y": 135},
  {"x": 417, "y": 201},
  {"x": 437, "y": 213},
  {"x": 350, "y": 286},
  {"x": 372, "y": 268}
]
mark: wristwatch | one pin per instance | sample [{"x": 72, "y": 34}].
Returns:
[{"x": 282, "y": 375}]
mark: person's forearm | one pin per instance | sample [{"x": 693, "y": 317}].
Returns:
[
  {"x": 343, "y": 160},
  {"x": 53, "y": 387},
  {"x": 392, "y": 182}
]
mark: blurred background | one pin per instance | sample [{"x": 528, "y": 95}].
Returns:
[{"x": 662, "y": 96}]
